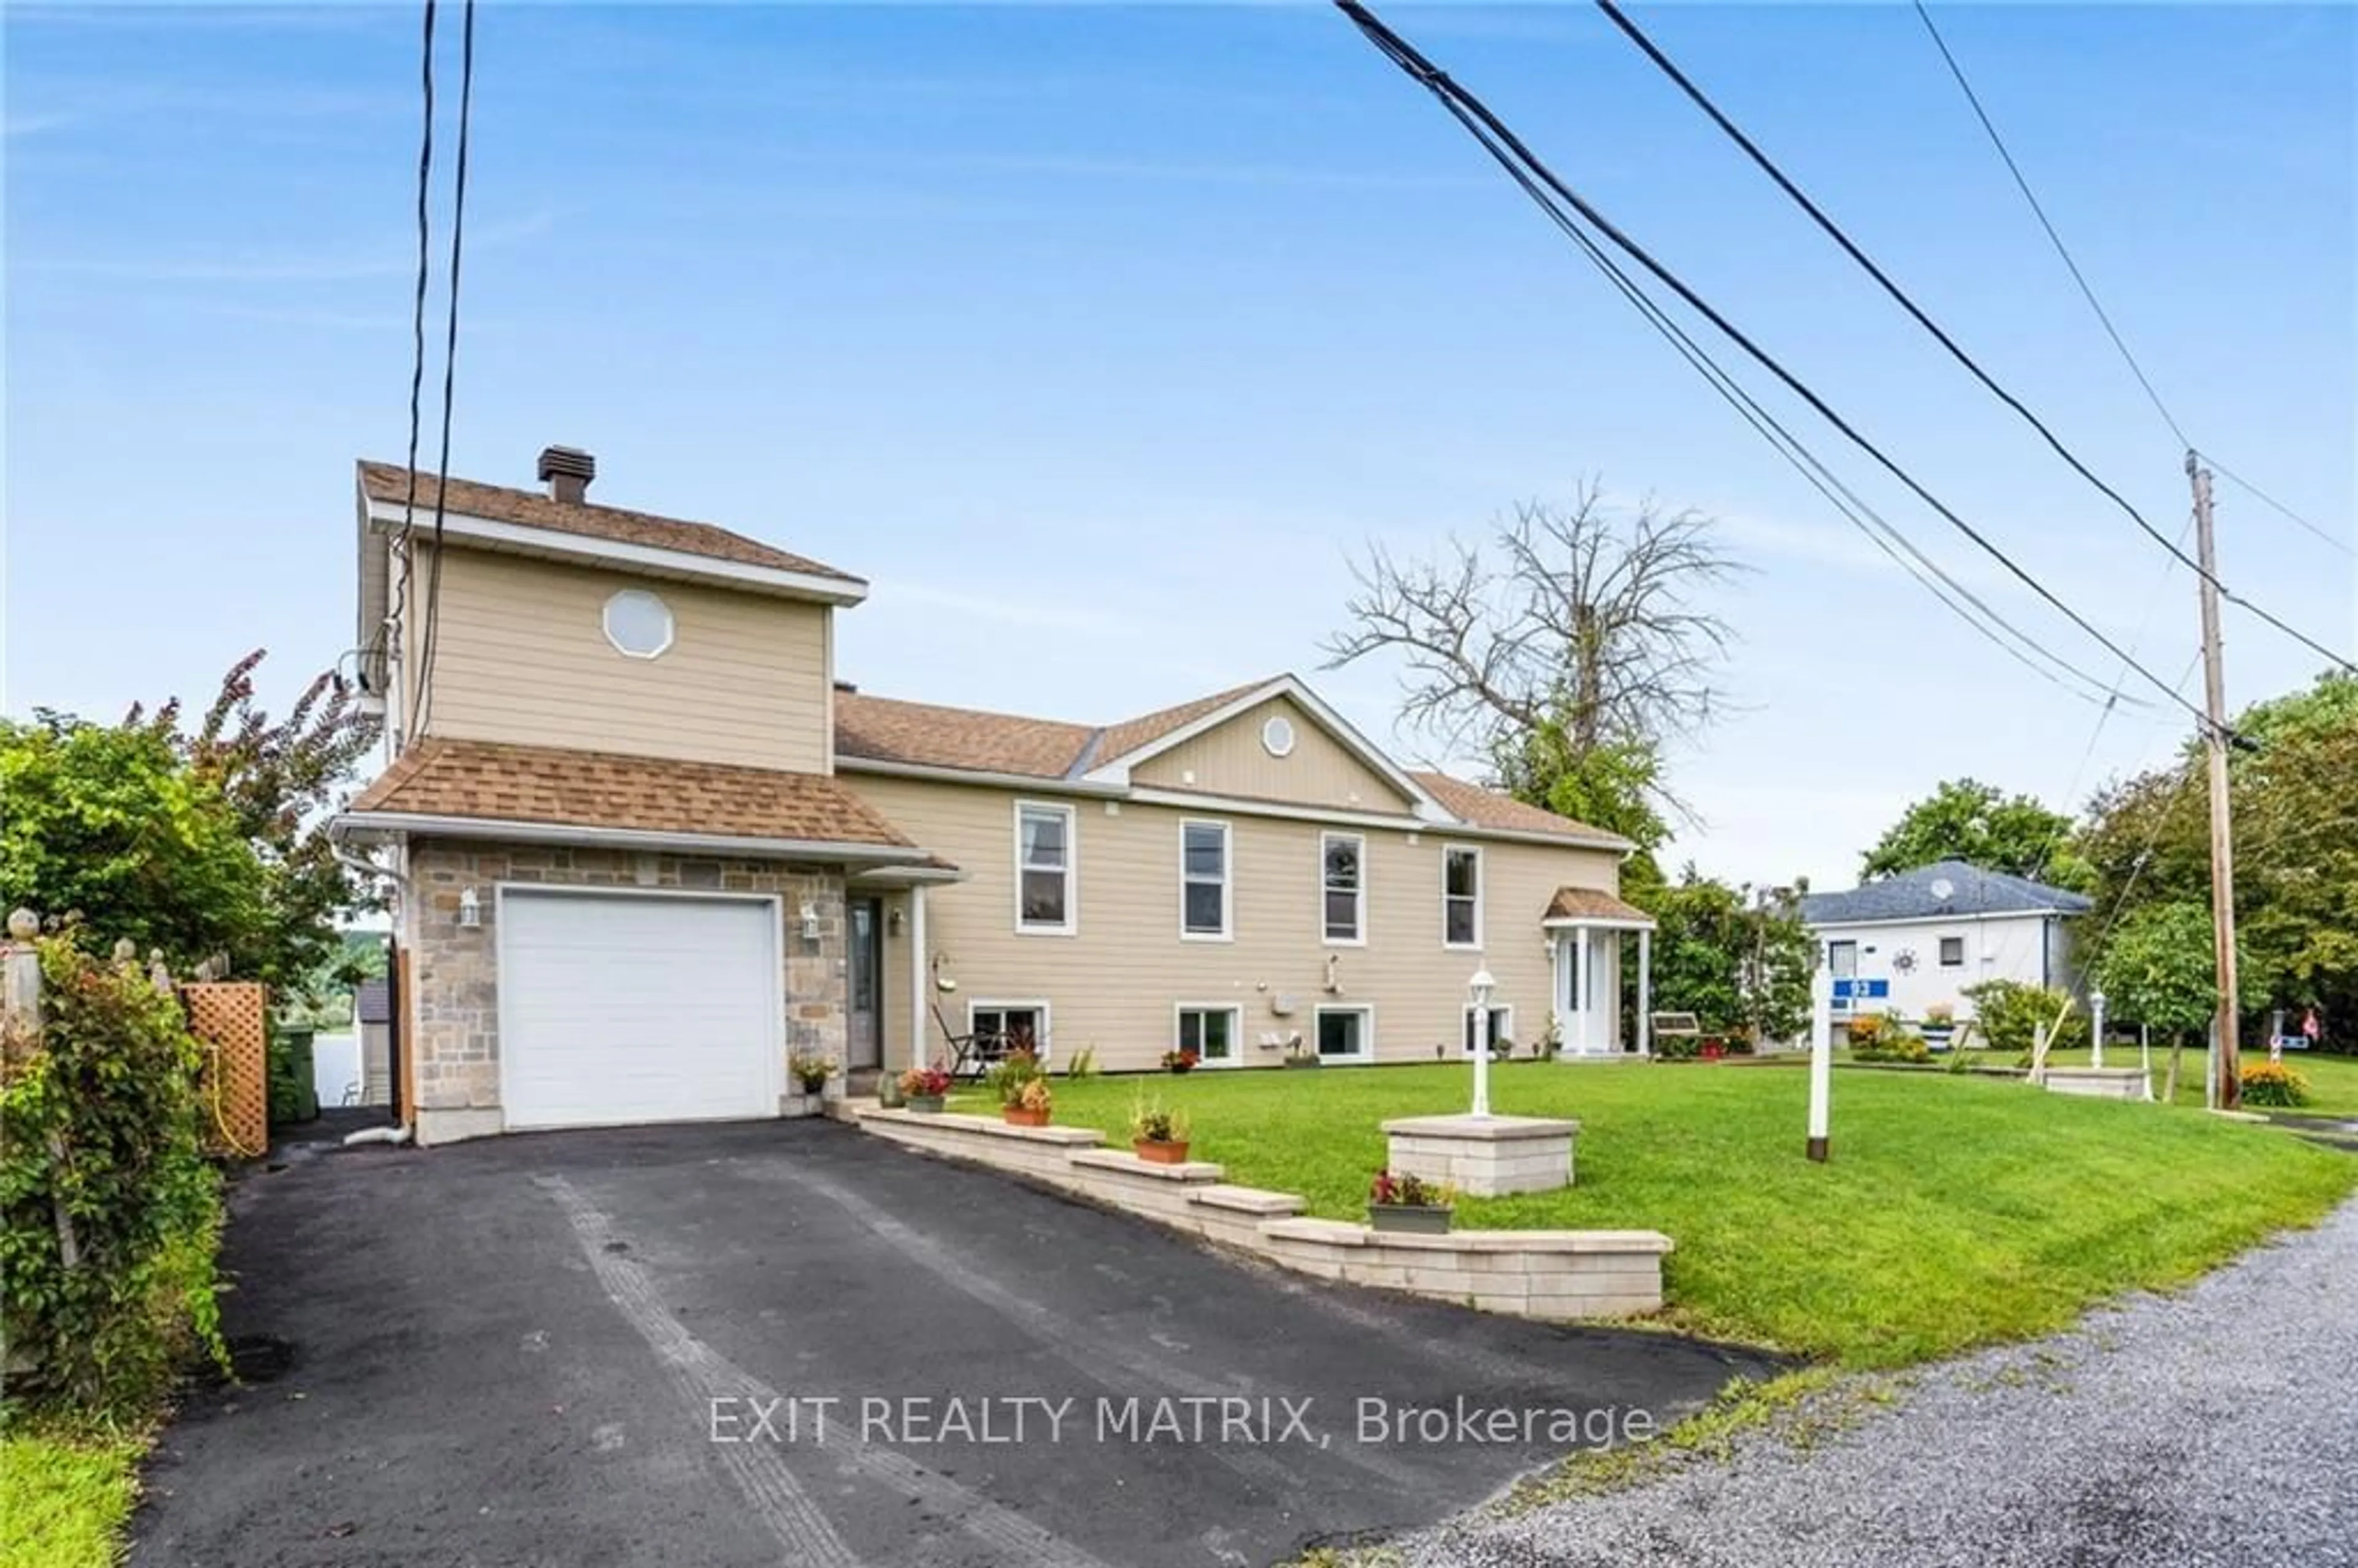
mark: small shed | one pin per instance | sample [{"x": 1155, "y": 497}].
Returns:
[{"x": 372, "y": 1015}]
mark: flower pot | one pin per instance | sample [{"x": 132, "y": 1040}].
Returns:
[
  {"x": 927, "y": 1104},
  {"x": 1016, "y": 1115},
  {"x": 1163, "y": 1153},
  {"x": 1180, "y": 1066},
  {"x": 804, "y": 1103},
  {"x": 1420, "y": 1219}
]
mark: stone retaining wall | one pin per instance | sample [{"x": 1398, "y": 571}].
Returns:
[
  {"x": 2097, "y": 1082},
  {"x": 1554, "y": 1274}
]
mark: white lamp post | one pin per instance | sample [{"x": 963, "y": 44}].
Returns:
[
  {"x": 2096, "y": 1029},
  {"x": 1478, "y": 990}
]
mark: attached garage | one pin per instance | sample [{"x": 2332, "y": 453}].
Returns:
[{"x": 618, "y": 1007}]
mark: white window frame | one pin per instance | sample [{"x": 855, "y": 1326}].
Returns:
[
  {"x": 1833, "y": 970},
  {"x": 670, "y": 622},
  {"x": 1227, "y": 931},
  {"x": 1466, "y": 1026},
  {"x": 1481, "y": 883},
  {"x": 1236, "y": 1056},
  {"x": 1367, "y": 1054},
  {"x": 1072, "y": 924},
  {"x": 1003, "y": 1005},
  {"x": 1359, "y": 919}
]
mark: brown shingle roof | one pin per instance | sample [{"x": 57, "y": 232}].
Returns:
[
  {"x": 882, "y": 729},
  {"x": 1588, "y": 904},
  {"x": 1128, "y": 736},
  {"x": 531, "y": 509},
  {"x": 1489, "y": 808},
  {"x": 443, "y": 777}
]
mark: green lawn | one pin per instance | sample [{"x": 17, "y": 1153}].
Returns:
[
  {"x": 65, "y": 1501},
  {"x": 1956, "y": 1211}
]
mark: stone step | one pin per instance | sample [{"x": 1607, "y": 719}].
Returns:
[
  {"x": 1248, "y": 1200},
  {"x": 1130, "y": 1164}
]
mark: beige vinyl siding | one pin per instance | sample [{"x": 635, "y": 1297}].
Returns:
[
  {"x": 1114, "y": 985},
  {"x": 521, "y": 656},
  {"x": 900, "y": 954},
  {"x": 1230, "y": 760}
]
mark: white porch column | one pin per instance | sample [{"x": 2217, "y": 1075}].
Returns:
[
  {"x": 1583, "y": 991},
  {"x": 920, "y": 975},
  {"x": 1645, "y": 992}
]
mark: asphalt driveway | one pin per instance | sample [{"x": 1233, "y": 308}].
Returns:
[{"x": 789, "y": 1343}]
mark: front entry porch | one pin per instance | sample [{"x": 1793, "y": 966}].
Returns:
[{"x": 1585, "y": 930}]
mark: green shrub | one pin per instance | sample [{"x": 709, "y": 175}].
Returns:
[
  {"x": 2010, "y": 1015},
  {"x": 100, "y": 1149},
  {"x": 1892, "y": 1043},
  {"x": 1678, "y": 1047},
  {"x": 2273, "y": 1083}
]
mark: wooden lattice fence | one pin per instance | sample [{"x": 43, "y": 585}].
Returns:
[{"x": 232, "y": 1019}]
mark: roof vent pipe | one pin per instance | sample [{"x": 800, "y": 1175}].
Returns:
[{"x": 568, "y": 471}]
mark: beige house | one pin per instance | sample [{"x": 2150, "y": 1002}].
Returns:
[{"x": 648, "y": 846}]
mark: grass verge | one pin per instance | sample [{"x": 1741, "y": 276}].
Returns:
[
  {"x": 66, "y": 1499},
  {"x": 1956, "y": 1211}
]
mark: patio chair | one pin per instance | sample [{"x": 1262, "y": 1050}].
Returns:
[{"x": 973, "y": 1051}]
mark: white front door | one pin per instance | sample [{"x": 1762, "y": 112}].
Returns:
[
  {"x": 1578, "y": 976},
  {"x": 619, "y": 1006}
]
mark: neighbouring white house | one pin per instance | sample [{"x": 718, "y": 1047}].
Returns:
[{"x": 1909, "y": 943}]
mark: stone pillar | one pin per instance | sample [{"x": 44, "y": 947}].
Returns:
[{"x": 20, "y": 973}]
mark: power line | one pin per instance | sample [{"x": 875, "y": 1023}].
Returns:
[
  {"x": 1891, "y": 541},
  {"x": 1434, "y": 81},
  {"x": 417, "y": 325},
  {"x": 1900, "y": 297},
  {"x": 2087, "y": 291},
  {"x": 2022, "y": 183},
  {"x": 449, "y": 366},
  {"x": 2267, "y": 500},
  {"x": 2136, "y": 640}
]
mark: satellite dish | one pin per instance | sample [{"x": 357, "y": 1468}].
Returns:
[{"x": 1943, "y": 888}]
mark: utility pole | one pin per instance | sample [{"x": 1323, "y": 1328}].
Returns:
[{"x": 2229, "y": 1071}]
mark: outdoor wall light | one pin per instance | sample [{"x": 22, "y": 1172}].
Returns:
[
  {"x": 471, "y": 909},
  {"x": 810, "y": 922},
  {"x": 894, "y": 919}
]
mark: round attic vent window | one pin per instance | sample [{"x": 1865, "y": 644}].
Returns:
[
  {"x": 1276, "y": 735},
  {"x": 638, "y": 623}
]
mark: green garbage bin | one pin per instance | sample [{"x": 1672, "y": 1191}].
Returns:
[{"x": 294, "y": 1098}]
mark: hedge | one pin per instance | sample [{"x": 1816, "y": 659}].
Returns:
[{"x": 110, "y": 1214}]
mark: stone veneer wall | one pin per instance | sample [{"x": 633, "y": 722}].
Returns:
[{"x": 455, "y": 1044}]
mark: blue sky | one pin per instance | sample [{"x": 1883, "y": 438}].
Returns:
[{"x": 1097, "y": 337}]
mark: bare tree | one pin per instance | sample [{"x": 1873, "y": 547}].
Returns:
[{"x": 1581, "y": 621}]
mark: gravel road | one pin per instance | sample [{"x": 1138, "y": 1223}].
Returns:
[{"x": 2213, "y": 1429}]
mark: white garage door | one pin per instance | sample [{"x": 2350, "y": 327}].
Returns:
[{"x": 616, "y": 1008}]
